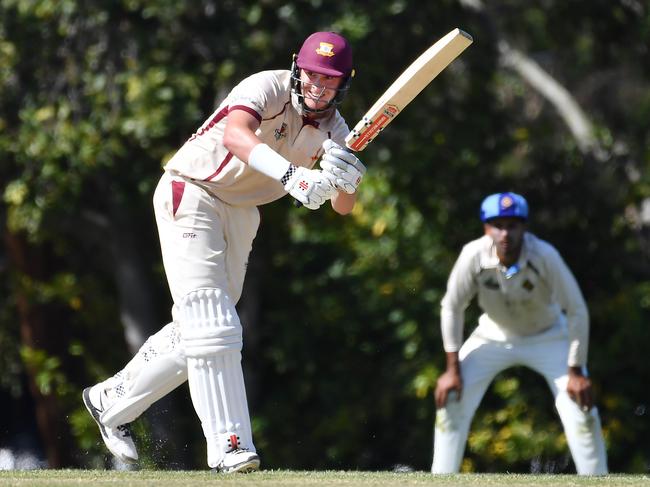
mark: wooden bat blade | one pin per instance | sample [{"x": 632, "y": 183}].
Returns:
[{"x": 409, "y": 84}]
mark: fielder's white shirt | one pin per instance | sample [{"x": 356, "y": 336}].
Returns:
[
  {"x": 267, "y": 96},
  {"x": 523, "y": 305}
]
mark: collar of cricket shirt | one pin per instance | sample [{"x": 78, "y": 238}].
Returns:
[{"x": 308, "y": 121}]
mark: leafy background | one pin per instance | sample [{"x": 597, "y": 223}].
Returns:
[{"x": 342, "y": 342}]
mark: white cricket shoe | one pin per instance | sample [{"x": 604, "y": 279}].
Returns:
[
  {"x": 118, "y": 440},
  {"x": 239, "y": 460}
]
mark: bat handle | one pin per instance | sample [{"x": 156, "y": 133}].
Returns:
[{"x": 297, "y": 203}]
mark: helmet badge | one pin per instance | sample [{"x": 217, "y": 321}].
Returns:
[{"x": 325, "y": 49}]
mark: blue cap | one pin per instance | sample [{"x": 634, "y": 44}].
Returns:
[{"x": 504, "y": 205}]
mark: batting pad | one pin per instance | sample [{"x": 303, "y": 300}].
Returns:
[
  {"x": 211, "y": 335},
  {"x": 156, "y": 370}
]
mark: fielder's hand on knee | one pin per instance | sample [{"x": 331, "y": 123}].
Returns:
[
  {"x": 309, "y": 186},
  {"x": 342, "y": 167}
]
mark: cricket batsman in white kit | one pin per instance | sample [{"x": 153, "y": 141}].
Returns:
[
  {"x": 260, "y": 144},
  {"x": 534, "y": 315}
]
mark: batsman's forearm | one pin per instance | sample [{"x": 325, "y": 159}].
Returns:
[
  {"x": 265, "y": 160},
  {"x": 239, "y": 134},
  {"x": 343, "y": 203}
]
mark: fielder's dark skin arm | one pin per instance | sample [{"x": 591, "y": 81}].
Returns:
[
  {"x": 579, "y": 388},
  {"x": 450, "y": 380}
]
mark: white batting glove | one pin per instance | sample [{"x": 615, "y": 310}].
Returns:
[
  {"x": 343, "y": 168},
  {"x": 309, "y": 186}
]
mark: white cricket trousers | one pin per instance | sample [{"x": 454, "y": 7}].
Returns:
[
  {"x": 205, "y": 245},
  {"x": 205, "y": 242},
  {"x": 481, "y": 360}
]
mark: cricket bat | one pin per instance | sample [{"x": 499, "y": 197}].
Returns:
[{"x": 405, "y": 88}]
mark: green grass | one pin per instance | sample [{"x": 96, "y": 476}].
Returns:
[{"x": 273, "y": 478}]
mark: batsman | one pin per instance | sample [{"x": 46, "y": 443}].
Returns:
[
  {"x": 260, "y": 144},
  {"x": 534, "y": 315}
]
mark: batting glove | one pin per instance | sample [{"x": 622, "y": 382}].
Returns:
[
  {"x": 343, "y": 168},
  {"x": 309, "y": 186}
]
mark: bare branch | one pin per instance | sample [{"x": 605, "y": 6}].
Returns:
[{"x": 568, "y": 108}]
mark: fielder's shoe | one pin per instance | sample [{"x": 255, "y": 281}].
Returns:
[
  {"x": 239, "y": 460},
  {"x": 118, "y": 440}
]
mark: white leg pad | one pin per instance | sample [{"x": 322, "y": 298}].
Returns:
[
  {"x": 212, "y": 339},
  {"x": 156, "y": 370}
]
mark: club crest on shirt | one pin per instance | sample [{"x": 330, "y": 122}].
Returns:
[
  {"x": 527, "y": 285},
  {"x": 491, "y": 283},
  {"x": 281, "y": 132}
]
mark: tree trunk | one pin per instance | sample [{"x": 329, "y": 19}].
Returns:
[{"x": 40, "y": 330}]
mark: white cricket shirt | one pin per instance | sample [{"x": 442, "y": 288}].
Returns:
[
  {"x": 267, "y": 96},
  {"x": 525, "y": 304}
]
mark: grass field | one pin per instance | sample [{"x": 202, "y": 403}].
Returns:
[{"x": 276, "y": 478}]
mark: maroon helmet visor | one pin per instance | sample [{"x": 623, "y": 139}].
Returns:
[{"x": 326, "y": 53}]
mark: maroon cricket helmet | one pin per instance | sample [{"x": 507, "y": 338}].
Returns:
[{"x": 326, "y": 53}]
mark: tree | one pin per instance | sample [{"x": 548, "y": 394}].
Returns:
[{"x": 342, "y": 333}]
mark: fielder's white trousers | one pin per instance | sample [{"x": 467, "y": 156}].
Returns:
[{"x": 481, "y": 360}]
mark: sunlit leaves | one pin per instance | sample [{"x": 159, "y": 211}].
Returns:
[
  {"x": 49, "y": 377},
  {"x": 97, "y": 95}
]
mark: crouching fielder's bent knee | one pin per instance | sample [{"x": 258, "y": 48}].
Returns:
[{"x": 211, "y": 335}]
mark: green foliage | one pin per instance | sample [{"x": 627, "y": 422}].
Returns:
[
  {"x": 96, "y": 96},
  {"x": 47, "y": 371}
]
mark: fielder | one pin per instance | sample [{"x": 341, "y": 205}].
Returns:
[
  {"x": 533, "y": 315},
  {"x": 259, "y": 145}
]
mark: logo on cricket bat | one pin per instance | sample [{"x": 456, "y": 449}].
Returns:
[
  {"x": 391, "y": 110},
  {"x": 372, "y": 127}
]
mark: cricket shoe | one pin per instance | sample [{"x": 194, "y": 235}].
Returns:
[
  {"x": 118, "y": 440},
  {"x": 239, "y": 460}
]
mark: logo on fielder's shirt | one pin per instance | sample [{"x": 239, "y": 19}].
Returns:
[
  {"x": 325, "y": 49},
  {"x": 281, "y": 132},
  {"x": 190, "y": 235},
  {"x": 527, "y": 285},
  {"x": 491, "y": 283},
  {"x": 304, "y": 185}
]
